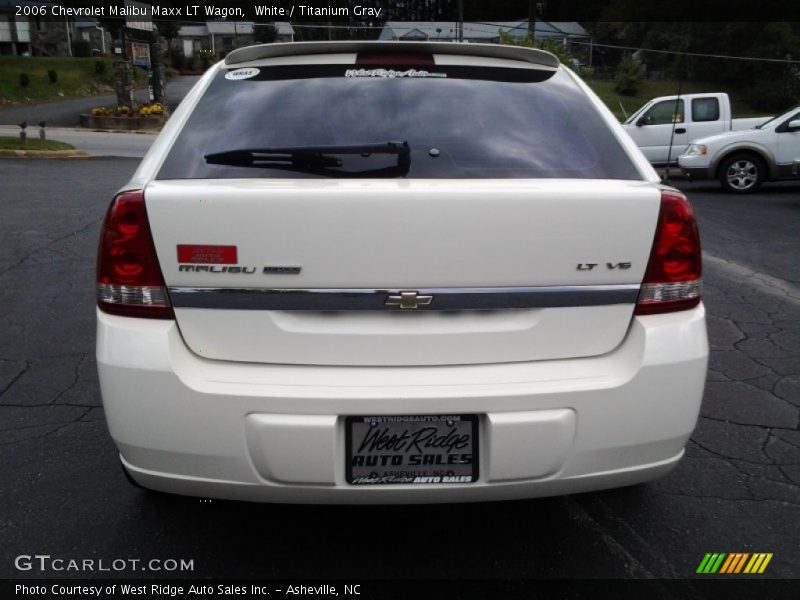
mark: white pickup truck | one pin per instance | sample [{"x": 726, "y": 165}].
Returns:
[{"x": 692, "y": 115}]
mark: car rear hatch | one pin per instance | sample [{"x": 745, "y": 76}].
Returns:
[{"x": 516, "y": 230}]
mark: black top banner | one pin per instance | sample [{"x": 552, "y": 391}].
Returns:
[{"x": 374, "y": 13}]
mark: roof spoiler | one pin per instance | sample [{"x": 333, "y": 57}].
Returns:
[{"x": 529, "y": 55}]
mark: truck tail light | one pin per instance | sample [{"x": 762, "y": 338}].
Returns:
[
  {"x": 129, "y": 280},
  {"x": 673, "y": 280}
]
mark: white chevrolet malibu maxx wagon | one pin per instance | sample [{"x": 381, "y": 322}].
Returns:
[{"x": 367, "y": 272}]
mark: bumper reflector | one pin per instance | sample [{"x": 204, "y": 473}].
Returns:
[
  {"x": 134, "y": 300},
  {"x": 661, "y": 297}
]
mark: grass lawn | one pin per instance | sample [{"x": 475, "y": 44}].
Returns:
[
  {"x": 34, "y": 143},
  {"x": 653, "y": 89},
  {"x": 76, "y": 77}
]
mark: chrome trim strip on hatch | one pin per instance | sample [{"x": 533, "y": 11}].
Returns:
[{"x": 491, "y": 298}]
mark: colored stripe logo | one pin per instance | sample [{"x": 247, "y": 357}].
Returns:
[{"x": 734, "y": 563}]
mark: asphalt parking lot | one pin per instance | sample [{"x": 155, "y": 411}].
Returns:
[{"x": 63, "y": 493}]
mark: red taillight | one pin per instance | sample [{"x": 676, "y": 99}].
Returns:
[
  {"x": 129, "y": 280},
  {"x": 384, "y": 59},
  {"x": 673, "y": 277}
]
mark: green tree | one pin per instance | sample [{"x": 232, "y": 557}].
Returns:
[
  {"x": 628, "y": 76},
  {"x": 265, "y": 33},
  {"x": 556, "y": 47},
  {"x": 168, "y": 30}
]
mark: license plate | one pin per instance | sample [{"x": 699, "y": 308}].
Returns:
[{"x": 438, "y": 449}]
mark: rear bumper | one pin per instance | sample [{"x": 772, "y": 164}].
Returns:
[{"x": 275, "y": 433}]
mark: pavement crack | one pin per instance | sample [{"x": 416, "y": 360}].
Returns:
[
  {"x": 731, "y": 459},
  {"x": 48, "y": 245},
  {"x": 637, "y": 569},
  {"x": 56, "y": 428},
  {"x": 729, "y": 422},
  {"x": 76, "y": 379},
  {"x": 784, "y": 440},
  {"x": 16, "y": 378},
  {"x": 724, "y": 499}
]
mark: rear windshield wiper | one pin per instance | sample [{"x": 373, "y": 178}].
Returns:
[{"x": 308, "y": 157}]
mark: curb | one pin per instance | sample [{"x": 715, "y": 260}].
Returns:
[
  {"x": 44, "y": 154},
  {"x": 133, "y": 131}
]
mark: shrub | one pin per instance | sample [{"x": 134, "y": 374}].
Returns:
[
  {"x": 145, "y": 110},
  {"x": 205, "y": 56},
  {"x": 123, "y": 111},
  {"x": 99, "y": 111},
  {"x": 177, "y": 58},
  {"x": 549, "y": 45},
  {"x": 81, "y": 48},
  {"x": 52, "y": 75},
  {"x": 24, "y": 79},
  {"x": 100, "y": 67},
  {"x": 628, "y": 76}
]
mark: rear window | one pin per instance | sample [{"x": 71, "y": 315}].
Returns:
[
  {"x": 705, "y": 109},
  {"x": 458, "y": 122}
]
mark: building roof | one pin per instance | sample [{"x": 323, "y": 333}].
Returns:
[
  {"x": 193, "y": 31},
  {"x": 432, "y": 30},
  {"x": 281, "y": 27},
  {"x": 230, "y": 27},
  {"x": 570, "y": 27},
  {"x": 85, "y": 24},
  {"x": 284, "y": 28}
]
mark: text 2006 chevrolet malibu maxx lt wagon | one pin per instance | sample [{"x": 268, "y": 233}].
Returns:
[{"x": 397, "y": 272}]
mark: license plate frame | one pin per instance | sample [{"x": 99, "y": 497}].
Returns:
[{"x": 448, "y": 429}]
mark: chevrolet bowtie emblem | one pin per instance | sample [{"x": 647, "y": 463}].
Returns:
[{"x": 408, "y": 300}]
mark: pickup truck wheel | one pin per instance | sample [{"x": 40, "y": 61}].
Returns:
[{"x": 742, "y": 174}]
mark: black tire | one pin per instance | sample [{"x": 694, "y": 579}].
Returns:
[{"x": 742, "y": 173}]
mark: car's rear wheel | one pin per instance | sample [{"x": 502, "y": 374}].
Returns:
[{"x": 742, "y": 174}]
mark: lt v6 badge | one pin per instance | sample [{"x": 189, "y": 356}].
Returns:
[{"x": 610, "y": 266}]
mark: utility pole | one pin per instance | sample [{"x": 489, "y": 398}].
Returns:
[
  {"x": 69, "y": 37},
  {"x": 460, "y": 30},
  {"x": 531, "y": 17}
]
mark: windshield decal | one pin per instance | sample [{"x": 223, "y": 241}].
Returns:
[
  {"x": 390, "y": 73},
  {"x": 242, "y": 74}
]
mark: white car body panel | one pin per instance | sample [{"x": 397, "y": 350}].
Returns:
[
  {"x": 251, "y": 404},
  {"x": 370, "y": 234},
  {"x": 188, "y": 425}
]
